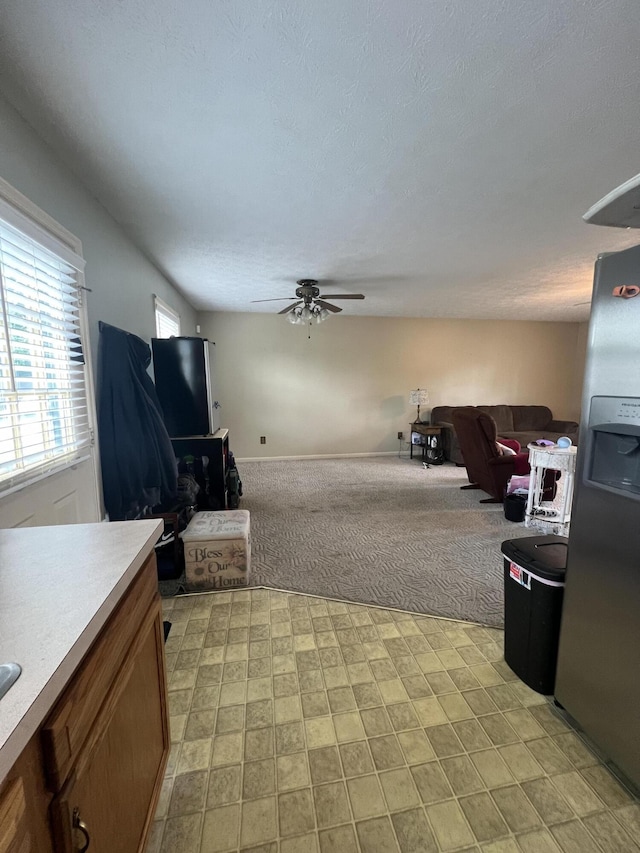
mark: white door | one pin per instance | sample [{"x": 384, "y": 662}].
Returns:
[{"x": 66, "y": 497}]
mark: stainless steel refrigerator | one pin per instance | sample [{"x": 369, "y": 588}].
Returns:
[
  {"x": 598, "y": 676},
  {"x": 183, "y": 372}
]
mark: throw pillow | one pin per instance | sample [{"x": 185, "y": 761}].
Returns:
[{"x": 503, "y": 450}]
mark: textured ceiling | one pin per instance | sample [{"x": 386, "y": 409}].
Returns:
[{"x": 436, "y": 155}]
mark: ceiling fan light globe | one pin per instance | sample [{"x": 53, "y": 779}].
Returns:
[{"x": 311, "y": 307}]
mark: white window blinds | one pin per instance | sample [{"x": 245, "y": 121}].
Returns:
[
  {"x": 167, "y": 320},
  {"x": 44, "y": 418}
]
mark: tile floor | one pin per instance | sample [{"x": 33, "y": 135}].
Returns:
[{"x": 305, "y": 725}]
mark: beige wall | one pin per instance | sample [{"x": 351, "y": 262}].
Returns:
[
  {"x": 121, "y": 278},
  {"x": 346, "y": 390}
]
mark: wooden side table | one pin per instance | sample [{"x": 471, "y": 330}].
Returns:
[{"x": 430, "y": 440}]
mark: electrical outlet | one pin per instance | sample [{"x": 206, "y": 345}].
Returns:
[
  {"x": 263, "y": 439},
  {"x": 400, "y": 435}
]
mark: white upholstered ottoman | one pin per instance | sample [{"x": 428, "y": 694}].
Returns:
[{"x": 217, "y": 550}]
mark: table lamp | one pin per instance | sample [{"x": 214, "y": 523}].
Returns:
[{"x": 418, "y": 398}]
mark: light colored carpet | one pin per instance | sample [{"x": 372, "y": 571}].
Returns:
[{"x": 379, "y": 530}]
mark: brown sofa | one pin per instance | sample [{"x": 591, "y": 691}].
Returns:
[{"x": 522, "y": 423}]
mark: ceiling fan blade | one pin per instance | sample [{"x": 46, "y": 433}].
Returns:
[
  {"x": 277, "y": 299},
  {"x": 323, "y": 304},
  {"x": 342, "y": 296},
  {"x": 289, "y": 307}
]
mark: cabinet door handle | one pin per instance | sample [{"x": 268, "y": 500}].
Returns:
[{"x": 81, "y": 826}]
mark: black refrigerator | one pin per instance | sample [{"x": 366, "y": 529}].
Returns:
[
  {"x": 183, "y": 371},
  {"x": 598, "y": 676}
]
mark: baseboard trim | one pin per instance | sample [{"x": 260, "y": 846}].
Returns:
[{"x": 320, "y": 456}]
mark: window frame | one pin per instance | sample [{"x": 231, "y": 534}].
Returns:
[{"x": 23, "y": 215}]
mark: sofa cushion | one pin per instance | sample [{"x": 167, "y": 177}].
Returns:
[
  {"x": 530, "y": 418},
  {"x": 501, "y": 415}
]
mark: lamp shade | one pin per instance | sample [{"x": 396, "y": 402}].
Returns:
[{"x": 419, "y": 397}]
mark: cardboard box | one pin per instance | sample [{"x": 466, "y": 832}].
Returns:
[{"x": 217, "y": 550}]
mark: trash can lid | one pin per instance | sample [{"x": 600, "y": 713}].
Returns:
[{"x": 542, "y": 555}]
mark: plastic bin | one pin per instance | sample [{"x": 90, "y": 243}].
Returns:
[
  {"x": 514, "y": 507},
  {"x": 534, "y": 577}
]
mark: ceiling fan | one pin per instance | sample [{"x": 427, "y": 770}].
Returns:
[{"x": 308, "y": 305}]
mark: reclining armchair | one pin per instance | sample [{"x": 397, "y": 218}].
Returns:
[{"x": 487, "y": 467}]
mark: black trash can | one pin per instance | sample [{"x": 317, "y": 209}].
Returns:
[
  {"x": 514, "y": 507},
  {"x": 534, "y": 577}
]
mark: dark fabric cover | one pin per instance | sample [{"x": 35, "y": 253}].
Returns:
[{"x": 138, "y": 463}]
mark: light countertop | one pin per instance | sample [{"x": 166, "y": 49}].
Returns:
[{"x": 58, "y": 587}]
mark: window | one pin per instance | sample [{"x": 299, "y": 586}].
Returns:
[
  {"x": 44, "y": 413},
  {"x": 167, "y": 320}
]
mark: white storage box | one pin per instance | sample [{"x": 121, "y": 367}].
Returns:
[{"x": 217, "y": 550}]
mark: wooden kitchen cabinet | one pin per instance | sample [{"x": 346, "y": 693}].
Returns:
[
  {"x": 14, "y": 830},
  {"x": 119, "y": 772},
  {"x": 24, "y": 805},
  {"x": 107, "y": 740},
  {"x": 90, "y": 777}
]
